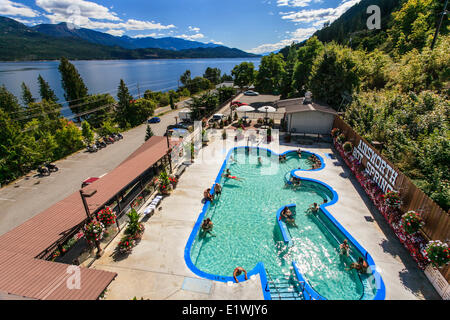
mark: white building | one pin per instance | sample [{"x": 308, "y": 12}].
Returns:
[{"x": 302, "y": 115}]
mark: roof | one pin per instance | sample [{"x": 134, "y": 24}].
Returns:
[
  {"x": 22, "y": 274},
  {"x": 297, "y": 105}
]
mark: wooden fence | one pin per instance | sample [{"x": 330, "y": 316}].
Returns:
[{"x": 437, "y": 221}]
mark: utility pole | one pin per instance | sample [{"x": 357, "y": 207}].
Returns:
[{"x": 443, "y": 13}]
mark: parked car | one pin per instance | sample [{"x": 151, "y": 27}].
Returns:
[
  {"x": 238, "y": 103},
  {"x": 154, "y": 120},
  {"x": 251, "y": 93},
  {"x": 218, "y": 117},
  {"x": 88, "y": 181}
]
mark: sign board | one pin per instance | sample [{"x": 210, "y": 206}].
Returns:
[
  {"x": 437, "y": 279},
  {"x": 377, "y": 168}
]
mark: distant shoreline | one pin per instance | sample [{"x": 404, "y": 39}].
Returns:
[{"x": 52, "y": 60}]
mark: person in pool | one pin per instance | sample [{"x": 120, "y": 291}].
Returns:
[
  {"x": 259, "y": 161},
  {"x": 228, "y": 175},
  {"x": 360, "y": 266},
  {"x": 314, "y": 208},
  {"x": 237, "y": 272},
  {"x": 324, "y": 201},
  {"x": 344, "y": 248},
  {"x": 217, "y": 189},
  {"x": 207, "y": 195},
  {"x": 207, "y": 226},
  {"x": 288, "y": 216}
]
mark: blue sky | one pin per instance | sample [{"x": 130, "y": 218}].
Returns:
[{"x": 256, "y": 26}]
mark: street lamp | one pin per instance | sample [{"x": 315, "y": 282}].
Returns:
[{"x": 85, "y": 195}]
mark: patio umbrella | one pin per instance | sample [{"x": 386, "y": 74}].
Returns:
[
  {"x": 267, "y": 109},
  {"x": 245, "y": 109}
]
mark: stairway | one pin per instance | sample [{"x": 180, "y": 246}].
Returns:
[{"x": 283, "y": 289}]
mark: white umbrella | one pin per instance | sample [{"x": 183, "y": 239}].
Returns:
[
  {"x": 245, "y": 109},
  {"x": 267, "y": 109}
]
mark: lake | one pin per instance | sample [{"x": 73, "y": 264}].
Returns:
[{"x": 103, "y": 76}]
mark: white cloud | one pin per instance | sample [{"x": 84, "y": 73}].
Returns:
[
  {"x": 298, "y": 35},
  {"x": 194, "y": 29},
  {"x": 191, "y": 37},
  {"x": 293, "y": 3},
  {"x": 116, "y": 33},
  {"x": 9, "y": 8},
  {"x": 146, "y": 35},
  {"x": 216, "y": 42},
  {"x": 68, "y": 8},
  {"x": 87, "y": 14},
  {"x": 319, "y": 16}
]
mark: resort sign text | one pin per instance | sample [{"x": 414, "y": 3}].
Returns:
[{"x": 380, "y": 172}]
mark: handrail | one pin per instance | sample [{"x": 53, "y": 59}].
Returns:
[{"x": 271, "y": 281}]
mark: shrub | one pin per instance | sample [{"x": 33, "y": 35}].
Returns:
[
  {"x": 412, "y": 222},
  {"x": 224, "y": 134},
  {"x": 437, "y": 253},
  {"x": 134, "y": 228},
  {"x": 126, "y": 244},
  {"x": 348, "y": 146}
]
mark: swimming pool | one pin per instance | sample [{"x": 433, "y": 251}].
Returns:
[{"x": 247, "y": 231}]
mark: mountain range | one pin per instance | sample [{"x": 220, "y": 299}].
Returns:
[{"x": 19, "y": 42}]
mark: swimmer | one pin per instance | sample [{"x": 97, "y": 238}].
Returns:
[
  {"x": 325, "y": 201},
  {"x": 259, "y": 161},
  {"x": 237, "y": 272},
  {"x": 228, "y": 175},
  {"x": 314, "y": 208},
  {"x": 344, "y": 248}
]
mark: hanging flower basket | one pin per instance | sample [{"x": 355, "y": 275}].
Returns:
[
  {"x": 94, "y": 231},
  {"x": 107, "y": 217},
  {"x": 438, "y": 253},
  {"x": 412, "y": 222}
]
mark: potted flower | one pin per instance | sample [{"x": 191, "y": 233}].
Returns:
[
  {"x": 126, "y": 244},
  {"x": 135, "y": 229},
  {"x": 348, "y": 147},
  {"x": 107, "y": 217},
  {"x": 438, "y": 253},
  {"x": 412, "y": 222},
  {"x": 341, "y": 138},
  {"x": 164, "y": 183},
  {"x": 173, "y": 181}
]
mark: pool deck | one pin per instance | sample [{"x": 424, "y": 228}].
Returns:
[{"x": 156, "y": 268}]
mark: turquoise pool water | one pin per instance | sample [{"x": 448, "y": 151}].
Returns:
[{"x": 246, "y": 231}]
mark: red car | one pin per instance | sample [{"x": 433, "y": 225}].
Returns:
[
  {"x": 238, "y": 103},
  {"x": 88, "y": 181}
]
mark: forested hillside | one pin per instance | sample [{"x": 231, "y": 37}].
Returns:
[{"x": 394, "y": 91}]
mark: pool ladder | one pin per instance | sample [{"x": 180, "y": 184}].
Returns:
[{"x": 283, "y": 289}]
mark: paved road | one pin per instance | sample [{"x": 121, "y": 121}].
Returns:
[{"x": 33, "y": 194}]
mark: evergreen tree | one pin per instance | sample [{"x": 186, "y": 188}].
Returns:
[
  {"x": 124, "y": 105},
  {"x": 73, "y": 85},
  {"x": 27, "y": 97},
  {"x": 148, "y": 133},
  {"x": 172, "y": 104},
  {"x": 9, "y": 103},
  {"x": 45, "y": 91}
]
